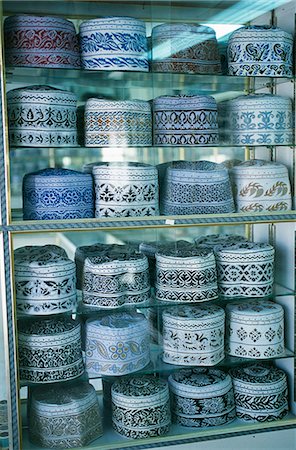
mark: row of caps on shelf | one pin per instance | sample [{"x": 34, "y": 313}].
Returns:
[
  {"x": 113, "y": 276},
  {"x": 120, "y": 43},
  {"x": 128, "y": 189},
  {"x": 118, "y": 343},
  {"x": 144, "y": 406},
  {"x": 42, "y": 116},
  {"x": 188, "y": 336}
]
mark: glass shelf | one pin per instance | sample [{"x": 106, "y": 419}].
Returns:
[
  {"x": 19, "y": 225},
  {"x": 77, "y": 79},
  {"x": 143, "y": 149},
  {"x": 157, "y": 365},
  {"x": 85, "y": 310}
]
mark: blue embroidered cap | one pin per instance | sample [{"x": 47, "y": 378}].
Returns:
[
  {"x": 117, "y": 344},
  {"x": 256, "y": 119},
  {"x": 52, "y": 194},
  {"x": 260, "y": 51},
  {"x": 114, "y": 43}
]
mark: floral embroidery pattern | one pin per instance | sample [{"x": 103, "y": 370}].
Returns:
[
  {"x": 109, "y": 45},
  {"x": 261, "y": 51},
  {"x": 119, "y": 350}
]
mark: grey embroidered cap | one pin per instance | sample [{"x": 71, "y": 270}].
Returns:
[
  {"x": 260, "y": 392},
  {"x": 42, "y": 116},
  {"x": 202, "y": 397},
  {"x": 141, "y": 406},
  {"x": 45, "y": 280},
  {"x": 64, "y": 415}
]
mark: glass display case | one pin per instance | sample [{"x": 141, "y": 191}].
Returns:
[{"x": 150, "y": 99}]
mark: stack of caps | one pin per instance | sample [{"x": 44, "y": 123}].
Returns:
[
  {"x": 256, "y": 119},
  {"x": 261, "y": 186},
  {"x": 185, "y": 275},
  {"x": 197, "y": 187},
  {"x": 45, "y": 281},
  {"x": 42, "y": 116},
  {"x": 193, "y": 335},
  {"x": 255, "y": 329},
  {"x": 260, "y": 51},
  {"x": 87, "y": 251},
  {"x": 114, "y": 43},
  {"x": 149, "y": 249},
  {"x": 141, "y": 407},
  {"x": 64, "y": 416},
  {"x": 118, "y": 277},
  {"x": 185, "y": 48},
  {"x": 117, "y": 344},
  {"x": 185, "y": 120},
  {"x": 210, "y": 241},
  {"x": 260, "y": 392},
  {"x": 49, "y": 350},
  {"x": 126, "y": 189},
  {"x": 245, "y": 269},
  {"x": 34, "y": 41},
  {"x": 111, "y": 123},
  {"x": 51, "y": 194},
  {"x": 202, "y": 397},
  {"x": 83, "y": 252}
]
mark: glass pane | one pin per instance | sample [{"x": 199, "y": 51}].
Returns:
[{"x": 4, "y": 367}]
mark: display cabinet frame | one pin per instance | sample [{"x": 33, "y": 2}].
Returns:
[{"x": 12, "y": 226}]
